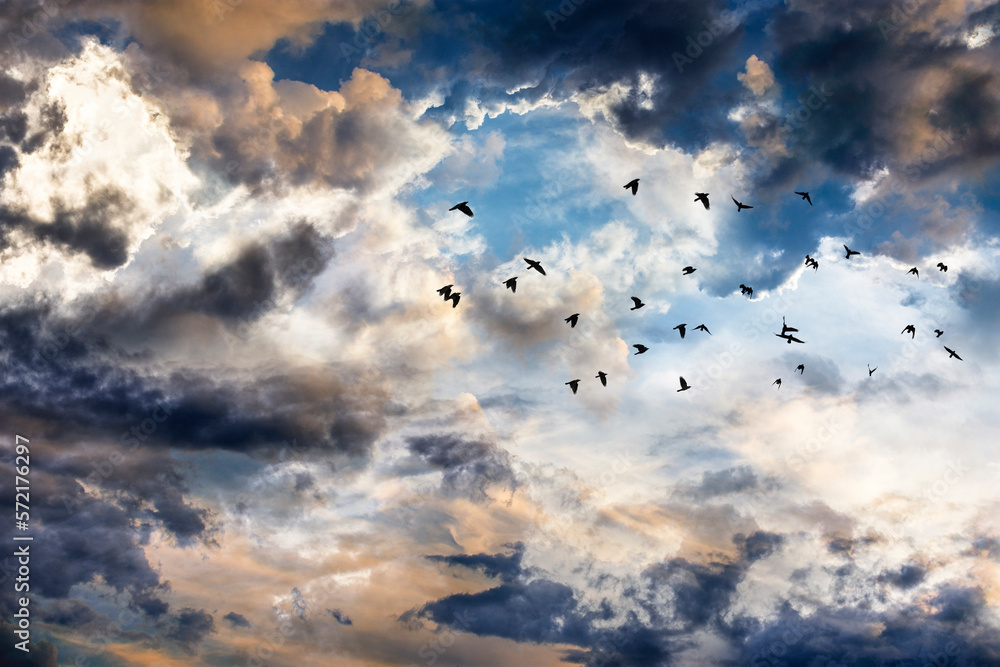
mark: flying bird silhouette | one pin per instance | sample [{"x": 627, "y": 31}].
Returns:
[
  {"x": 941, "y": 267},
  {"x": 532, "y": 264},
  {"x": 463, "y": 207},
  {"x": 789, "y": 338},
  {"x": 702, "y": 197},
  {"x": 785, "y": 328},
  {"x": 445, "y": 291},
  {"x": 640, "y": 347},
  {"x": 684, "y": 385},
  {"x": 805, "y": 195},
  {"x": 603, "y": 377},
  {"x": 688, "y": 270},
  {"x": 910, "y": 329},
  {"x": 914, "y": 272},
  {"x": 702, "y": 327},
  {"x": 572, "y": 319},
  {"x": 574, "y": 385},
  {"x": 638, "y": 303},
  {"x": 952, "y": 353},
  {"x": 850, "y": 252},
  {"x": 454, "y": 298},
  {"x": 938, "y": 332},
  {"x": 801, "y": 368},
  {"x": 511, "y": 284},
  {"x": 681, "y": 328},
  {"x": 634, "y": 184},
  {"x": 814, "y": 264},
  {"x": 777, "y": 382},
  {"x": 739, "y": 205},
  {"x": 871, "y": 370}
]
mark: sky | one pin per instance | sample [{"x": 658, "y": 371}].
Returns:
[{"x": 259, "y": 435}]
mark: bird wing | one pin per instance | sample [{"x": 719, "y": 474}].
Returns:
[
  {"x": 637, "y": 301},
  {"x": 684, "y": 384}
]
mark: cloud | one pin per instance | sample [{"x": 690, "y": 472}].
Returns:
[
  {"x": 758, "y": 77},
  {"x": 236, "y": 620}
]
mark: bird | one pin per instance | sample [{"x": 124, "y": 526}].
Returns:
[
  {"x": 801, "y": 368},
  {"x": 749, "y": 292},
  {"x": 814, "y": 264},
  {"x": 785, "y": 328},
  {"x": 952, "y": 353},
  {"x": 511, "y": 284},
  {"x": 574, "y": 385},
  {"x": 681, "y": 328},
  {"x": 603, "y": 377},
  {"x": 454, "y": 298},
  {"x": 789, "y": 338},
  {"x": 739, "y": 205},
  {"x": 702, "y": 197},
  {"x": 532, "y": 264},
  {"x": 912, "y": 330},
  {"x": 684, "y": 385},
  {"x": 942, "y": 267},
  {"x": 445, "y": 291},
  {"x": 638, "y": 303},
  {"x": 805, "y": 195},
  {"x": 634, "y": 184},
  {"x": 777, "y": 382},
  {"x": 808, "y": 259},
  {"x": 850, "y": 252},
  {"x": 702, "y": 327},
  {"x": 871, "y": 370},
  {"x": 463, "y": 207},
  {"x": 688, "y": 270},
  {"x": 572, "y": 319},
  {"x": 640, "y": 347},
  {"x": 938, "y": 332},
  {"x": 914, "y": 272}
]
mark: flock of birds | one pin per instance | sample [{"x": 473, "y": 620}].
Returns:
[{"x": 786, "y": 331}]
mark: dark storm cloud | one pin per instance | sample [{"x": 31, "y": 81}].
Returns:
[
  {"x": 507, "y": 46},
  {"x": 873, "y": 57},
  {"x": 236, "y": 293},
  {"x": 236, "y": 620},
  {"x": 43, "y": 653},
  {"x": 907, "y": 576},
  {"x": 724, "y": 482},
  {"x": 93, "y": 229},
  {"x": 8, "y": 160},
  {"x": 77, "y": 383},
  {"x": 541, "y": 610},
  {"x": 910, "y": 635},
  {"x": 86, "y": 539},
  {"x": 14, "y": 126},
  {"x": 340, "y": 617},
  {"x": 469, "y": 466},
  {"x": 12, "y": 91},
  {"x": 190, "y": 627},
  {"x": 505, "y": 566}
]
